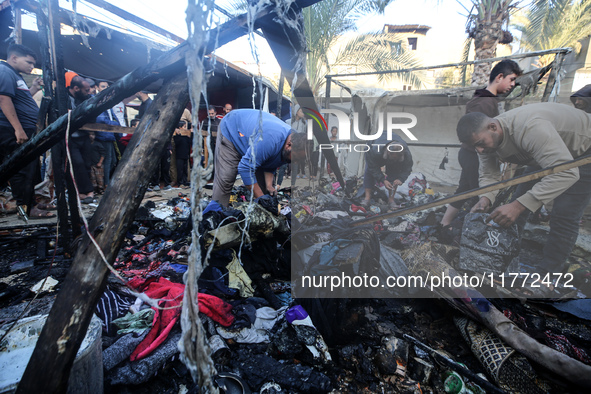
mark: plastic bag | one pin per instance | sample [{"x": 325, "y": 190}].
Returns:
[{"x": 487, "y": 247}]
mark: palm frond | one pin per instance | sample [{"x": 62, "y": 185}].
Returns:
[{"x": 380, "y": 52}]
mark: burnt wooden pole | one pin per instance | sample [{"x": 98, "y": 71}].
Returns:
[
  {"x": 75, "y": 303},
  {"x": 280, "y": 95},
  {"x": 53, "y": 71},
  {"x": 288, "y": 43}
]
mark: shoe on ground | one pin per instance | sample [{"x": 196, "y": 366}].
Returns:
[
  {"x": 364, "y": 203},
  {"x": 156, "y": 188},
  {"x": 393, "y": 206},
  {"x": 167, "y": 187}
]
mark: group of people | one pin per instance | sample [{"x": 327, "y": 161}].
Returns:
[
  {"x": 254, "y": 145},
  {"x": 94, "y": 155},
  {"x": 538, "y": 136}
]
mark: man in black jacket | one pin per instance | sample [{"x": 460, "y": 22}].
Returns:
[{"x": 397, "y": 159}]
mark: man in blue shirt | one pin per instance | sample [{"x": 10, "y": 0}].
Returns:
[
  {"x": 18, "y": 120},
  {"x": 253, "y": 144}
]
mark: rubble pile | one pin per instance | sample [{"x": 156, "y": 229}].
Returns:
[{"x": 263, "y": 340}]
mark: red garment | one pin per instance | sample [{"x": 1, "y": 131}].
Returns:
[
  {"x": 125, "y": 139},
  {"x": 165, "y": 319}
]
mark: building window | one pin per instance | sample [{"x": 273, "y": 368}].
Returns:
[{"x": 412, "y": 43}]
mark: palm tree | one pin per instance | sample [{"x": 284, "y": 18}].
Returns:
[
  {"x": 326, "y": 25},
  {"x": 548, "y": 24},
  {"x": 487, "y": 23},
  {"x": 326, "y": 22}
]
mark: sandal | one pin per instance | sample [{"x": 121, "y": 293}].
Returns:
[
  {"x": 46, "y": 206},
  {"x": 40, "y": 214},
  {"x": 87, "y": 200}
]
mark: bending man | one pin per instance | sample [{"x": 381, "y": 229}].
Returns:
[
  {"x": 540, "y": 135},
  {"x": 241, "y": 150}
]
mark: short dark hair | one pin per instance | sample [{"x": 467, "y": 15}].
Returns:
[
  {"x": 134, "y": 122},
  {"x": 504, "y": 67},
  {"x": 20, "y": 50},
  {"x": 298, "y": 141},
  {"x": 77, "y": 82},
  {"x": 469, "y": 124},
  {"x": 211, "y": 107},
  {"x": 183, "y": 123}
]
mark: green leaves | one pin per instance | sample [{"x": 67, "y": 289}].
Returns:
[{"x": 555, "y": 24}]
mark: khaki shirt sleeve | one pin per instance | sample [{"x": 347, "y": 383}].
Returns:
[
  {"x": 489, "y": 173},
  {"x": 543, "y": 143}
]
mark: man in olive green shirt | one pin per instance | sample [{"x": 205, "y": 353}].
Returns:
[{"x": 541, "y": 135}]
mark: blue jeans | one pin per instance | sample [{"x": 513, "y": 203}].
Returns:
[
  {"x": 109, "y": 161},
  {"x": 280, "y": 174},
  {"x": 566, "y": 214}
]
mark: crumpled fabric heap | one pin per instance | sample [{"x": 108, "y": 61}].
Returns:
[
  {"x": 135, "y": 322},
  {"x": 171, "y": 296}
]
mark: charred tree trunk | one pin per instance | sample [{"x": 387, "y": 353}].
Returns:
[{"x": 73, "y": 308}]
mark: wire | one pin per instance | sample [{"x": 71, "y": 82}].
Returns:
[{"x": 142, "y": 296}]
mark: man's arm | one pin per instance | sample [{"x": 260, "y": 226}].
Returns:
[
  {"x": 372, "y": 161},
  {"x": 269, "y": 177},
  {"x": 37, "y": 83},
  {"x": 7, "y": 107},
  {"x": 547, "y": 149},
  {"x": 256, "y": 190},
  {"x": 489, "y": 173}
]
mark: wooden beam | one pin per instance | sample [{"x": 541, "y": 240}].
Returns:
[
  {"x": 135, "y": 19},
  {"x": 107, "y": 128},
  {"x": 477, "y": 192},
  {"x": 18, "y": 25},
  {"x": 75, "y": 303}
]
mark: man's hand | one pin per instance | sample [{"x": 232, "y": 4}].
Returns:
[
  {"x": 397, "y": 183},
  {"x": 483, "y": 205},
  {"x": 506, "y": 215},
  {"x": 272, "y": 191},
  {"x": 21, "y": 136},
  {"x": 388, "y": 185},
  {"x": 36, "y": 86}
]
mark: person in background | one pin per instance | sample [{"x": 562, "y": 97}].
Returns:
[
  {"x": 334, "y": 131},
  {"x": 118, "y": 111},
  {"x": 146, "y": 102},
  {"x": 92, "y": 86},
  {"x": 18, "y": 122},
  {"x": 581, "y": 99},
  {"x": 96, "y": 164},
  {"x": 501, "y": 81},
  {"x": 396, "y": 157},
  {"x": 182, "y": 143},
  {"x": 79, "y": 91},
  {"x": 209, "y": 127},
  {"x": 298, "y": 124}
]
